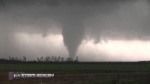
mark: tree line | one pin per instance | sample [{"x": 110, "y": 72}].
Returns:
[{"x": 47, "y": 59}]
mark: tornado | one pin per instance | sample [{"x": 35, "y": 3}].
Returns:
[{"x": 72, "y": 31}]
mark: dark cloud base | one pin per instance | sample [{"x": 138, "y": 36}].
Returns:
[{"x": 77, "y": 19}]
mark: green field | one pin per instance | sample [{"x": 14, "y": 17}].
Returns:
[
  {"x": 81, "y": 73},
  {"x": 108, "y": 67}
]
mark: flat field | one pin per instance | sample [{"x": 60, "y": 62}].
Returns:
[
  {"x": 80, "y": 73},
  {"x": 77, "y": 67}
]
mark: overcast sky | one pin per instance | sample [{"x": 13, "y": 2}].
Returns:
[{"x": 93, "y": 30}]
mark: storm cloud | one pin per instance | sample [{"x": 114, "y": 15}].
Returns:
[{"x": 75, "y": 20}]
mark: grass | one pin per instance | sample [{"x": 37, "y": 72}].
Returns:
[
  {"x": 75, "y": 67},
  {"x": 78, "y": 73}
]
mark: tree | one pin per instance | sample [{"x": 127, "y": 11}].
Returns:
[
  {"x": 9, "y": 58},
  {"x": 55, "y": 58},
  {"x": 62, "y": 59},
  {"x": 41, "y": 59},
  {"x": 47, "y": 59},
  {"x": 24, "y": 58},
  {"x": 16, "y": 58},
  {"x": 58, "y": 59},
  {"x": 38, "y": 59},
  {"x": 52, "y": 58},
  {"x": 69, "y": 59}
]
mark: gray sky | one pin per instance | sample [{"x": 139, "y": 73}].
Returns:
[{"x": 94, "y": 30}]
